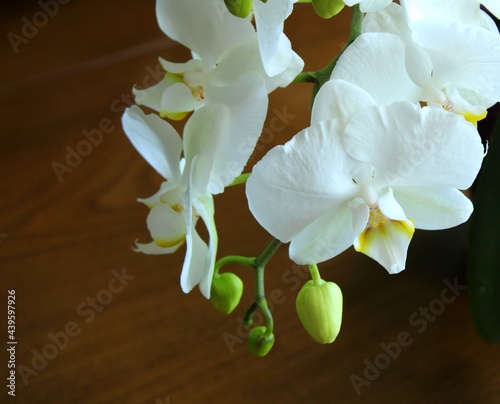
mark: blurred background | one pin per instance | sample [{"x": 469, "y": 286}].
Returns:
[{"x": 97, "y": 323}]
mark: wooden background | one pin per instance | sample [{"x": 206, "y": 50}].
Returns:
[{"x": 64, "y": 239}]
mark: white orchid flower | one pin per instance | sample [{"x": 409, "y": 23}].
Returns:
[
  {"x": 439, "y": 61},
  {"x": 184, "y": 197},
  {"x": 367, "y": 178},
  {"x": 369, "y": 6},
  {"x": 226, "y": 60}
]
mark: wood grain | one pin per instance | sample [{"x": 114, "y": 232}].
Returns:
[{"x": 150, "y": 343}]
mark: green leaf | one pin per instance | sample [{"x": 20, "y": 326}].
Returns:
[{"x": 484, "y": 246}]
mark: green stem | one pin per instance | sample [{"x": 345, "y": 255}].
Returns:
[
  {"x": 305, "y": 77},
  {"x": 324, "y": 74},
  {"x": 241, "y": 179},
  {"x": 315, "y": 275},
  {"x": 233, "y": 259},
  {"x": 260, "y": 302}
]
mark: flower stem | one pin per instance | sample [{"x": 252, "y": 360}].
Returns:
[
  {"x": 260, "y": 295},
  {"x": 315, "y": 275},
  {"x": 323, "y": 75},
  {"x": 241, "y": 179},
  {"x": 305, "y": 77},
  {"x": 233, "y": 259}
]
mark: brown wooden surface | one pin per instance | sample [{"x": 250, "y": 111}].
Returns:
[{"x": 60, "y": 241}]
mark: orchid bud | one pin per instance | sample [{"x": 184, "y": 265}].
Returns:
[
  {"x": 226, "y": 292},
  {"x": 319, "y": 306},
  {"x": 239, "y": 8},
  {"x": 328, "y": 8},
  {"x": 259, "y": 344}
]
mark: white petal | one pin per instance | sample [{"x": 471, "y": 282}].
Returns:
[
  {"x": 466, "y": 11},
  {"x": 393, "y": 20},
  {"x": 151, "y": 97},
  {"x": 305, "y": 178},
  {"x": 205, "y": 27},
  {"x": 390, "y": 207},
  {"x": 339, "y": 99},
  {"x": 156, "y": 140},
  {"x": 366, "y": 64},
  {"x": 178, "y": 98},
  {"x": 205, "y": 207},
  {"x": 284, "y": 66},
  {"x": 246, "y": 104},
  {"x": 462, "y": 55},
  {"x": 387, "y": 244},
  {"x": 413, "y": 146},
  {"x": 203, "y": 134},
  {"x": 270, "y": 18},
  {"x": 434, "y": 208},
  {"x": 195, "y": 261},
  {"x": 329, "y": 235},
  {"x": 367, "y": 6},
  {"x": 154, "y": 249},
  {"x": 166, "y": 225}
]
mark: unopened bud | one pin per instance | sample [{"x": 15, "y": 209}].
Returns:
[
  {"x": 226, "y": 292},
  {"x": 259, "y": 344},
  {"x": 319, "y": 307},
  {"x": 239, "y": 8},
  {"x": 328, "y": 8}
]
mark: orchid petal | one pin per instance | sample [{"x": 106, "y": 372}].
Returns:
[
  {"x": 205, "y": 27},
  {"x": 154, "y": 249},
  {"x": 205, "y": 208},
  {"x": 367, "y": 6},
  {"x": 269, "y": 18},
  {"x": 434, "y": 208},
  {"x": 413, "y": 146},
  {"x": 246, "y": 104},
  {"x": 467, "y": 56},
  {"x": 329, "y": 235},
  {"x": 156, "y": 140},
  {"x": 204, "y": 134},
  {"x": 387, "y": 244},
  {"x": 368, "y": 53},
  {"x": 166, "y": 225},
  {"x": 306, "y": 178},
  {"x": 339, "y": 99},
  {"x": 178, "y": 98}
]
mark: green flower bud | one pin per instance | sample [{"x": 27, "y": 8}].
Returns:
[
  {"x": 319, "y": 307},
  {"x": 226, "y": 292},
  {"x": 239, "y": 8},
  {"x": 259, "y": 344},
  {"x": 328, "y": 8}
]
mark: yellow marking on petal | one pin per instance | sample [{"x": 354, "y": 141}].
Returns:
[
  {"x": 381, "y": 227},
  {"x": 176, "y": 116},
  {"x": 175, "y": 77},
  {"x": 169, "y": 243},
  {"x": 474, "y": 118},
  {"x": 469, "y": 116},
  {"x": 177, "y": 207}
]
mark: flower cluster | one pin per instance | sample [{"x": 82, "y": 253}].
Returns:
[{"x": 392, "y": 142}]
